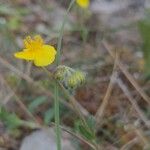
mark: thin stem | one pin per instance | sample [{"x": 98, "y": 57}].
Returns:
[
  {"x": 61, "y": 33},
  {"x": 56, "y": 104},
  {"x": 57, "y": 118}
]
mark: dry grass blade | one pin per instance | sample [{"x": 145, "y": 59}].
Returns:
[
  {"x": 128, "y": 145},
  {"x": 101, "y": 109},
  {"x": 140, "y": 138},
  {"x": 7, "y": 98},
  {"x": 127, "y": 74},
  {"x": 132, "y": 101},
  {"x": 140, "y": 134}
]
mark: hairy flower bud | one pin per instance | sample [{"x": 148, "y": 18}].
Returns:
[
  {"x": 76, "y": 79},
  {"x": 69, "y": 77}
]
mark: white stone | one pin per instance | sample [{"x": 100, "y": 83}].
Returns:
[{"x": 44, "y": 140}]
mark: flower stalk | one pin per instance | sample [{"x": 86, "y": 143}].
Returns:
[{"x": 57, "y": 118}]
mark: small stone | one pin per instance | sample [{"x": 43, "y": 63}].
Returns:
[{"x": 44, "y": 140}]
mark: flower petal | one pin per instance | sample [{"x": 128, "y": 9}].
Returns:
[
  {"x": 27, "y": 42},
  {"x": 27, "y": 55},
  {"x": 83, "y": 3},
  {"x": 45, "y": 56}
]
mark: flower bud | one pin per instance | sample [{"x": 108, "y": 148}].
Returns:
[
  {"x": 69, "y": 77},
  {"x": 76, "y": 79}
]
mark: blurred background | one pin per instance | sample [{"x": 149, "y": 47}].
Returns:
[{"x": 110, "y": 42}]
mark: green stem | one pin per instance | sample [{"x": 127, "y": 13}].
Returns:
[
  {"x": 61, "y": 33},
  {"x": 57, "y": 118}
]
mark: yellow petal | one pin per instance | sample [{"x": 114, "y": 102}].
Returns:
[
  {"x": 45, "y": 56},
  {"x": 27, "y": 55},
  {"x": 83, "y": 3},
  {"x": 38, "y": 39},
  {"x": 33, "y": 43},
  {"x": 27, "y": 41}
]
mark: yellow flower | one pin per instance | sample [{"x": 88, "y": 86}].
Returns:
[
  {"x": 36, "y": 51},
  {"x": 83, "y": 3}
]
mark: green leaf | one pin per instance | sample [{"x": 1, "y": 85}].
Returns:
[
  {"x": 88, "y": 134},
  {"x": 48, "y": 116},
  {"x": 91, "y": 122},
  {"x": 36, "y": 103},
  {"x": 11, "y": 120}
]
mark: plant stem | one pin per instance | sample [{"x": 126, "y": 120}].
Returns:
[
  {"x": 57, "y": 118},
  {"x": 61, "y": 33}
]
